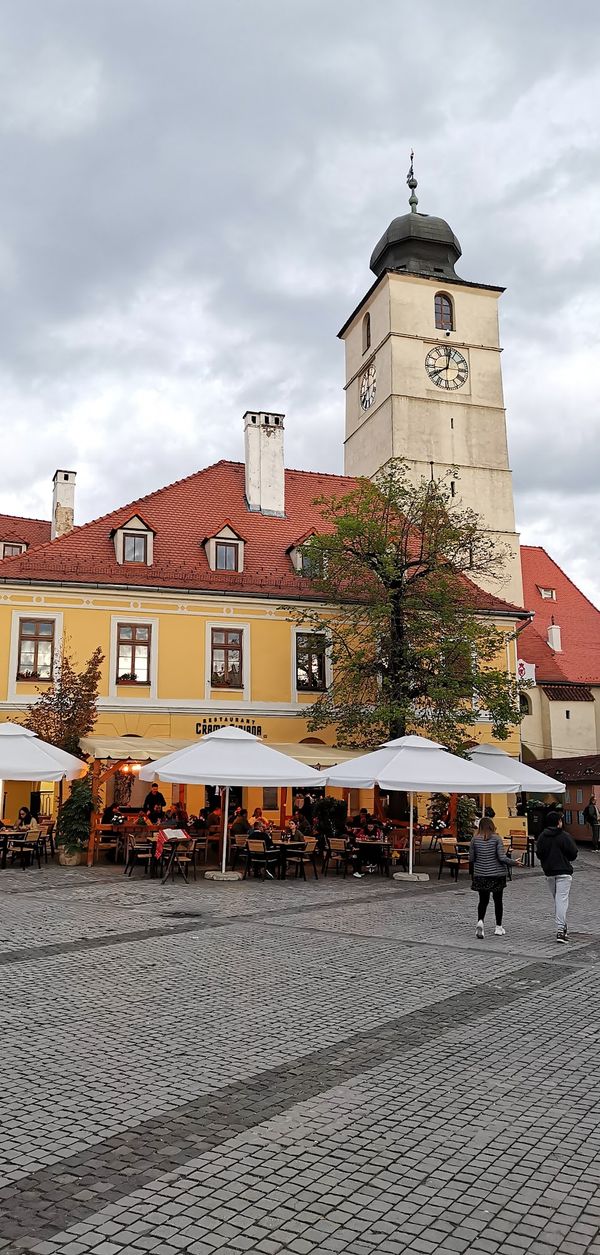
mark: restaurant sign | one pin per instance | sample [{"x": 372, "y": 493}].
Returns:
[{"x": 227, "y": 721}]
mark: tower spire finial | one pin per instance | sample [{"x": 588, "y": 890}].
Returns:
[{"x": 412, "y": 183}]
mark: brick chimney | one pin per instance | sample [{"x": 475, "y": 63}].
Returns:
[
  {"x": 265, "y": 471},
  {"x": 63, "y": 503}
]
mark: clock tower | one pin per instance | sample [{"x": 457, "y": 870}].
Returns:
[{"x": 424, "y": 378}]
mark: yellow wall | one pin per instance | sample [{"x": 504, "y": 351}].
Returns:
[{"x": 178, "y": 699}]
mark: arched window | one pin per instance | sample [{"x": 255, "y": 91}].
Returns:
[
  {"x": 444, "y": 313},
  {"x": 524, "y": 704},
  {"x": 366, "y": 333}
]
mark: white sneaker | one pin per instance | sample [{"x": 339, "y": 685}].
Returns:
[
  {"x": 357, "y": 875},
  {"x": 499, "y": 931},
  {"x": 480, "y": 930}
]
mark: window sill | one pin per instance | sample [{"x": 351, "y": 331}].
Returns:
[
  {"x": 133, "y": 684},
  {"x": 32, "y": 679},
  {"x": 227, "y": 688}
]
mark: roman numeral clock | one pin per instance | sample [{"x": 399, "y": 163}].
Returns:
[{"x": 446, "y": 367}]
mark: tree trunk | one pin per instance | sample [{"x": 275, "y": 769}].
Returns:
[{"x": 398, "y": 666}]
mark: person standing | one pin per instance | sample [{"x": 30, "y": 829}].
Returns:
[
  {"x": 591, "y": 815},
  {"x": 154, "y": 804},
  {"x": 489, "y": 865},
  {"x": 557, "y": 851}
]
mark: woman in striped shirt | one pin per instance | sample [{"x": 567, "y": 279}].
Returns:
[{"x": 488, "y": 865}]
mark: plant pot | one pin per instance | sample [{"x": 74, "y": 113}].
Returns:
[{"x": 69, "y": 858}]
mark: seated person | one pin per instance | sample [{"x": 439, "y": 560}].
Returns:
[
  {"x": 26, "y": 820},
  {"x": 374, "y": 830},
  {"x": 301, "y": 823},
  {"x": 241, "y": 824},
  {"x": 362, "y": 819},
  {"x": 170, "y": 818},
  {"x": 182, "y": 815}
]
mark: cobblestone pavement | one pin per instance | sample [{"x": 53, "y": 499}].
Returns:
[{"x": 336, "y": 1066}]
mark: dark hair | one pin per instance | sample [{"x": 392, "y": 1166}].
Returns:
[
  {"x": 553, "y": 819},
  {"x": 26, "y": 814},
  {"x": 486, "y": 828}
]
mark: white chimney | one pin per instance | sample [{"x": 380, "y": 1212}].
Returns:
[
  {"x": 63, "y": 503},
  {"x": 554, "y": 638},
  {"x": 265, "y": 471}
]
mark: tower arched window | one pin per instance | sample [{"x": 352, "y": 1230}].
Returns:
[
  {"x": 525, "y": 704},
  {"x": 366, "y": 333},
  {"x": 444, "y": 312}
]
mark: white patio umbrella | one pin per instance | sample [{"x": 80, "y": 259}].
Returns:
[
  {"x": 415, "y": 765},
  {"x": 24, "y": 756},
  {"x": 527, "y": 779},
  {"x": 231, "y": 757}
]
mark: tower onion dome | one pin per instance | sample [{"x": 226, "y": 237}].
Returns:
[{"x": 417, "y": 243}]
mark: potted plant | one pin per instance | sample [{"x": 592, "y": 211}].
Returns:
[
  {"x": 73, "y": 824},
  {"x": 466, "y": 815}
]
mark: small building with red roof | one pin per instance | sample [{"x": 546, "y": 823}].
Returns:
[{"x": 561, "y": 647}]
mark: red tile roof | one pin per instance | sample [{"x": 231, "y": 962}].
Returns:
[
  {"x": 585, "y": 767},
  {"x": 578, "y": 619},
  {"x": 28, "y": 532},
  {"x": 568, "y": 693},
  {"x": 182, "y": 515}
]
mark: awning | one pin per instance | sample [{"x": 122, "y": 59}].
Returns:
[{"x": 143, "y": 749}]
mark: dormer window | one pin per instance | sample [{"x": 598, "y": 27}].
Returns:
[
  {"x": 225, "y": 550},
  {"x": 134, "y": 542},
  {"x": 226, "y": 555},
  {"x": 135, "y": 547},
  {"x": 11, "y": 549},
  {"x": 548, "y": 594},
  {"x": 304, "y": 559}
]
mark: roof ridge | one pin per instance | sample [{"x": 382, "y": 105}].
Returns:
[{"x": 24, "y": 518}]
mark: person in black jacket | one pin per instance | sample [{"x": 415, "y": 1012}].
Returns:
[{"x": 557, "y": 851}]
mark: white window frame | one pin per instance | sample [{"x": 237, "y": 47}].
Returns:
[
  {"x": 314, "y": 693},
  {"x": 226, "y": 536},
  {"x": 230, "y": 625},
  {"x": 33, "y": 612},
  {"x": 13, "y": 544},
  {"x": 547, "y": 594},
  {"x": 134, "y": 526},
  {"x": 125, "y": 692}
]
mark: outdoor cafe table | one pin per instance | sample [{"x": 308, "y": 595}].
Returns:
[
  {"x": 373, "y": 852},
  {"x": 284, "y": 848},
  {"x": 7, "y": 834}
]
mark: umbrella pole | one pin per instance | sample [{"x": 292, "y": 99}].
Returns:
[
  {"x": 225, "y": 823},
  {"x": 410, "y": 835}
]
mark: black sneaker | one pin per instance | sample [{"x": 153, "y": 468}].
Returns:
[{"x": 562, "y": 936}]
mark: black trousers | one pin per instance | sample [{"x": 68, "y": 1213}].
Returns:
[{"x": 484, "y": 899}]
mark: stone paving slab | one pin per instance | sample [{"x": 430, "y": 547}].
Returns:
[{"x": 319, "y": 1067}]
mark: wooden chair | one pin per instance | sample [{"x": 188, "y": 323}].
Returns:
[
  {"x": 519, "y": 845},
  {"x": 140, "y": 851},
  {"x": 450, "y": 857},
  {"x": 26, "y": 848},
  {"x": 336, "y": 851},
  {"x": 47, "y": 838},
  {"x": 237, "y": 847},
  {"x": 259, "y": 858}
]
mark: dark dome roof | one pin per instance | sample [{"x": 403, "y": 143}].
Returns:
[{"x": 419, "y": 244}]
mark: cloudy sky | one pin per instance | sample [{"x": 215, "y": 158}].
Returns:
[{"x": 189, "y": 195}]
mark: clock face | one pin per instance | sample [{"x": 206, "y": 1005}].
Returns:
[
  {"x": 368, "y": 387},
  {"x": 446, "y": 367}
]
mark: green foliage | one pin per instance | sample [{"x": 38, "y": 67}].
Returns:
[
  {"x": 67, "y": 710},
  {"x": 331, "y": 814},
  {"x": 73, "y": 824},
  {"x": 466, "y": 815},
  {"x": 409, "y": 645}
]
